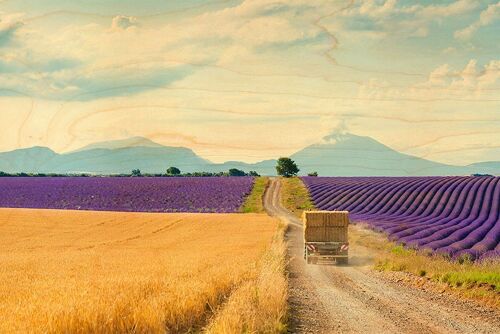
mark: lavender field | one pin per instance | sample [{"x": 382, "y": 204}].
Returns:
[
  {"x": 450, "y": 215},
  {"x": 182, "y": 194}
]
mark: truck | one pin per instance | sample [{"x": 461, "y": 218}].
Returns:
[{"x": 325, "y": 236}]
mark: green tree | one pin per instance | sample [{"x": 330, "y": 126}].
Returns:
[
  {"x": 173, "y": 171},
  {"x": 286, "y": 167},
  {"x": 313, "y": 174},
  {"x": 136, "y": 172},
  {"x": 236, "y": 172},
  {"x": 253, "y": 173}
]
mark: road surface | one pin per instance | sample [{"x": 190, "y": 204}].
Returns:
[{"x": 355, "y": 299}]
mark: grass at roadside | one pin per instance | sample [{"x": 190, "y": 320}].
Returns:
[
  {"x": 260, "y": 304},
  {"x": 254, "y": 201},
  {"x": 475, "y": 280},
  {"x": 294, "y": 195}
]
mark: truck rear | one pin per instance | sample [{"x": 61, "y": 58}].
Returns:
[{"x": 325, "y": 236}]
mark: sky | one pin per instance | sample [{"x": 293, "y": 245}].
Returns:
[{"x": 253, "y": 80}]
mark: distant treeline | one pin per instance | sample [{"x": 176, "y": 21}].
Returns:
[
  {"x": 22, "y": 174},
  {"x": 137, "y": 173}
]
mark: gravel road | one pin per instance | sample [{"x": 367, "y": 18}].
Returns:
[{"x": 356, "y": 299}]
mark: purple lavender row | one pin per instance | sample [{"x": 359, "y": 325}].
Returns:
[
  {"x": 183, "y": 194},
  {"x": 450, "y": 215}
]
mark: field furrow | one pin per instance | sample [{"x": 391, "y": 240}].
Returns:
[{"x": 456, "y": 216}]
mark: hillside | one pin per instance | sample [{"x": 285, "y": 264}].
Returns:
[
  {"x": 32, "y": 159},
  {"x": 351, "y": 155},
  {"x": 103, "y": 158},
  {"x": 336, "y": 155},
  {"x": 488, "y": 167}
]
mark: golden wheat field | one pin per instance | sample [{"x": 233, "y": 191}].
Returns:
[{"x": 82, "y": 271}]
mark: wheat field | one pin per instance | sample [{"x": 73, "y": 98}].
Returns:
[{"x": 107, "y": 272}]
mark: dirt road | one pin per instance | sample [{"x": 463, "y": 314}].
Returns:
[{"x": 355, "y": 299}]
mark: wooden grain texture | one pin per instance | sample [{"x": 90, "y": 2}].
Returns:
[{"x": 251, "y": 80}]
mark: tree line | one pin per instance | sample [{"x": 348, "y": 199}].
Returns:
[
  {"x": 171, "y": 172},
  {"x": 285, "y": 167}
]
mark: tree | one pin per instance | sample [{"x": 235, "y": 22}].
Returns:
[
  {"x": 236, "y": 172},
  {"x": 286, "y": 167},
  {"x": 136, "y": 172},
  {"x": 173, "y": 171},
  {"x": 313, "y": 174},
  {"x": 253, "y": 173}
]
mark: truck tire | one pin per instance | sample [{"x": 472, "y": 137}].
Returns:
[{"x": 342, "y": 261}]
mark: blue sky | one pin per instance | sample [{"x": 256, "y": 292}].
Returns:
[{"x": 251, "y": 80}]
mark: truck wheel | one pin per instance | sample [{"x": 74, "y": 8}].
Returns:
[{"x": 342, "y": 260}]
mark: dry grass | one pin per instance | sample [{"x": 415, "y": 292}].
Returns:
[
  {"x": 478, "y": 281},
  {"x": 294, "y": 196},
  {"x": 260, "y": 304},
  {"x": 475, "y": 281},
  {"x": 80, "y": 272}
]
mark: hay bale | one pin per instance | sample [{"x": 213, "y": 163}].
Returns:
[{"x": 324, "y": 226}]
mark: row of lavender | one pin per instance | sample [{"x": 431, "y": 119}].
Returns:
[
  {"x": 450, "y": 215},
  {"x": 186, "y": 194}
]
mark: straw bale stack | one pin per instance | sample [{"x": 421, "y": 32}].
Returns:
[{"x": 325, "y": 226}]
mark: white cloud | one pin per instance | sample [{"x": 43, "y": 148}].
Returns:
[
  {"x": 455, "y": 8},
  {"x": 381, "y": 9},
  {"x": 372, "y": 8},
  {"x": 376, "y": 9},
  {"x": 443, "y": 83},
  {"x": 227, "y": 37},
  {"x": 488, "y": 16},
  {"x": 468, "y": 82},
  {"x": 490, "y": 75},
  {"x": 394, "y": 18},
  {"x": 439, "y": 75},
  {"x": 245, "y": 75}
]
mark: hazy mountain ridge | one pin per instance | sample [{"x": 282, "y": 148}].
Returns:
[
  {"x": 337, "y": 155},
  {"x": 357, "y": 155},
  {"x": 120, "y": 143},
  {"x": 103, "y": 160}
]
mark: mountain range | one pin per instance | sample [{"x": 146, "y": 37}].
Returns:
[{"x": 337, "y": 155}]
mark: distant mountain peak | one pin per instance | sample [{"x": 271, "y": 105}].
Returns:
[
  {"x": 349, "y": 141},
  {"x": 337, "y": 136},
  {"x": 34, "y": 149},
  {"x": 121, "y": 143}
]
